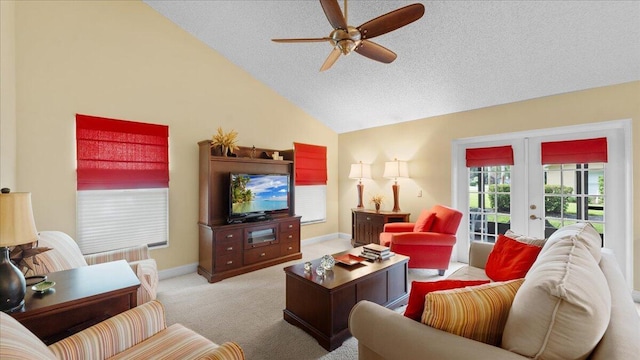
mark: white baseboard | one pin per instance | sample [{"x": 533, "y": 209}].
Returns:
[
  {"x": 177, "y": 271},
  {"x": 636, "y": 296},
  {"x": 322, "y": 238}
]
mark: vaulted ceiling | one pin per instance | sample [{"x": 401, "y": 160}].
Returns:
[{"x": 461, "y": 55}]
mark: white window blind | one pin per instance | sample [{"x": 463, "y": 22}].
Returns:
[
  {"x": 115, "y": 219},
  {"x": 311, "y": 203}
]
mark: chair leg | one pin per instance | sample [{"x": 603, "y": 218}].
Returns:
[{"x": 441, "y": 272}]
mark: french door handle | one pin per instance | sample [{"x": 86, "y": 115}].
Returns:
[{"x": 533, "y": 217}]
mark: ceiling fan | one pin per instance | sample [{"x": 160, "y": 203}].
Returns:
[{"x": 345, "y": 38}]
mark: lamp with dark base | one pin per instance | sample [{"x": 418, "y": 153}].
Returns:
[
  {"x": 393, "y": 170},
  {"x": 360, "y": 171},
  {"x": 13, "y": 286},
  {"x": 17, "y": 227}
]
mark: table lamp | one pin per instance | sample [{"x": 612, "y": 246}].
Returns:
[
  {"x": 17, "y": 227},
  {"x": 360, "y": 171},
  {"x": 394, "y": 170}
]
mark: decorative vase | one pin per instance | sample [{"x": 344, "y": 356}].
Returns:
[
  {"x": 225, "y": 149},
  {"x": 377, "y": 207}
]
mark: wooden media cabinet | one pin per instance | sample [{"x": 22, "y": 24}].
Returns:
[{"x": 230, "y": 249}]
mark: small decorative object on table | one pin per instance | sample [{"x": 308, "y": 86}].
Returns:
[
  {"x": 377, "y": 201},
  {"x": 227, "y": 142},
  {"x": 307, "y": 266},
  {"x": 320, "y": 270},
  {"x": 327, "y": 262}
]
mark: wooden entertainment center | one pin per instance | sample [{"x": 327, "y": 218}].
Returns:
[{"x": 230, "y": 249}]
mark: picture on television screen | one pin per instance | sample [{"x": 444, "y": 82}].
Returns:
[{"x": 258, "y": 193}]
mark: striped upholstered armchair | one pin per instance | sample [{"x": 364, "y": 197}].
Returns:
[
  {"x": 65, "y": 255},
  {"x": 139, "y": 333}
]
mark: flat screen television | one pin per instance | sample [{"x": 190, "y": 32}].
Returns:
[{"x": 255, "y": 196}]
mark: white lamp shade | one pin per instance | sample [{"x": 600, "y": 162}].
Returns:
[
  {"x": 396, "y": 169},
  {"x": 360, "y": 171},
  {"x": 17, "y": 225}
]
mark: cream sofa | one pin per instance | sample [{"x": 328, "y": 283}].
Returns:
[
  {"x": 139, "y": 333},
  {"x": 386, "y": 334},
  {"x": 65, "y": 254}
]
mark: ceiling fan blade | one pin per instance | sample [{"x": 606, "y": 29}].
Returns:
[
  {"x": 334, "y": 13},
  {"x": 331, "y": 59},
  {"x": 391, "y": 21},
  {"x": 375, "y": 52},
  {"x": 302, "y": 40}
]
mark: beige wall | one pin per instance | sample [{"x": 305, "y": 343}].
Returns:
[
  {"x": 7, "y": 96},
  {"x": 124, "y": 60},
  {"x": 426, "y": 143}
]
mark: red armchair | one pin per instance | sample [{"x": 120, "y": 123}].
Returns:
[{"x": 429, "y": 241}]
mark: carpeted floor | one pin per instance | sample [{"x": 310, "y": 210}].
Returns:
[{"x": 248, "y": 308}]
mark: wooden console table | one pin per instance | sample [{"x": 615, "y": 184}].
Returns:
[
  {"x": 366, "y": 225},
  {"x": 81, "y": 297},
  {"x": 321, "y": 305}
]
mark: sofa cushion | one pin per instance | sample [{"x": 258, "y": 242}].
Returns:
[
  {"x": 18, "y": 343},
  {"x": 565, "y": 296},
  {"x": 425, "y": 221},
  {"x": 475, "y": 312},
  {"x": 525, "y": 239},
  {"x": 175, "y": 342},
  {"x": 419, "y": 289},
  {"x": 510, "y": 259},
  {"x": 585, "y": 233}
]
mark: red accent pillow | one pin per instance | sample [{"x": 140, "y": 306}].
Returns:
[
  {"x": 424, "y": 222},
  {"x": 510, "y": 259},
  {"x": 420, "y": 289}
]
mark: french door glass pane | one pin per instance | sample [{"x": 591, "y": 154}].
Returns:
[
  {"x": 489, "y": 202},
  {"x": 574, "y": 193}
]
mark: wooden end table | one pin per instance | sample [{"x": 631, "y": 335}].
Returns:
[
  {"x": 321, "y": 306},
  {"x": 82, "y": 297}
]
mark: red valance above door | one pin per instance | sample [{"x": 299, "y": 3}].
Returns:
[
  {"x": 574, "y": 151},
  {"x": 490, "y": 156}
]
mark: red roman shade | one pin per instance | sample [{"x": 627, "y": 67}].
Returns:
[
  {"x": 490, "y": 156},
  {"x": 575, "y": 151},
  {"x": 118, "y": 154},
  {"x": 311, "y": 164}
]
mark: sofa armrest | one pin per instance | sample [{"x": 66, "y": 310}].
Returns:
[
  {"x": 134, "y": 253},
  {"x": 147, "y": 273},
  {"x": 479, "y": 253},
  {"x": 386, "y": 334},
  {"x": 395, "y": 227},
  {"x": 113, "y": 335},
  {"x": 423, "y": 238}
]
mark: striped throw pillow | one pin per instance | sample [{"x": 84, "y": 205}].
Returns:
[{"x": 475, "y": 312}]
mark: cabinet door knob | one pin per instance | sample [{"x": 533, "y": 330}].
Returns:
[
  {"x": 290, "y": 236},
  {"x": 230, "y": 248},
  {"x": 263, "y": 254},
  {"x": 290, "y": 226},
  {"x": 290, "y": 248},
  {"x": 368, "y": 218},
  {"x": 229, "y": 262},
  {"x": 229, "y": 236}
]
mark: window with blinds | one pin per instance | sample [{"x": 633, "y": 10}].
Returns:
[
  {"x": 311, "y": 182},
  {"x": 123, "y": 184}
]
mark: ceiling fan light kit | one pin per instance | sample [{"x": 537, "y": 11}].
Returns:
[{"x": 346, "y": 39}]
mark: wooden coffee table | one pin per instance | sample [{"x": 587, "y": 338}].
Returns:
[
  {"x": 320, "y": 306},
  {"x": 81, "y": 297}
]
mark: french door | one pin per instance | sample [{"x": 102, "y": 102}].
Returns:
[{"x": 535, "y": 199}]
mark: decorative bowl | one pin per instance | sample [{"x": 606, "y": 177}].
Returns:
[{"x": 43, "y": 286}]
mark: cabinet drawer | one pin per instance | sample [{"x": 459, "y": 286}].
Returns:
[
  {"x": 369, "y": 218},
  {"x": 262, "y": 253},
  {"x": 289, "y": 248},
  {"x": 228, "y": 236},
  {"x": 228, "y": 261},
  {"x": 289, "y": 236},
  {"x": 290, "y": 226}
]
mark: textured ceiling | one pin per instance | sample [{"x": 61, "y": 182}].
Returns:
[{"x": 460, "y": 55}]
